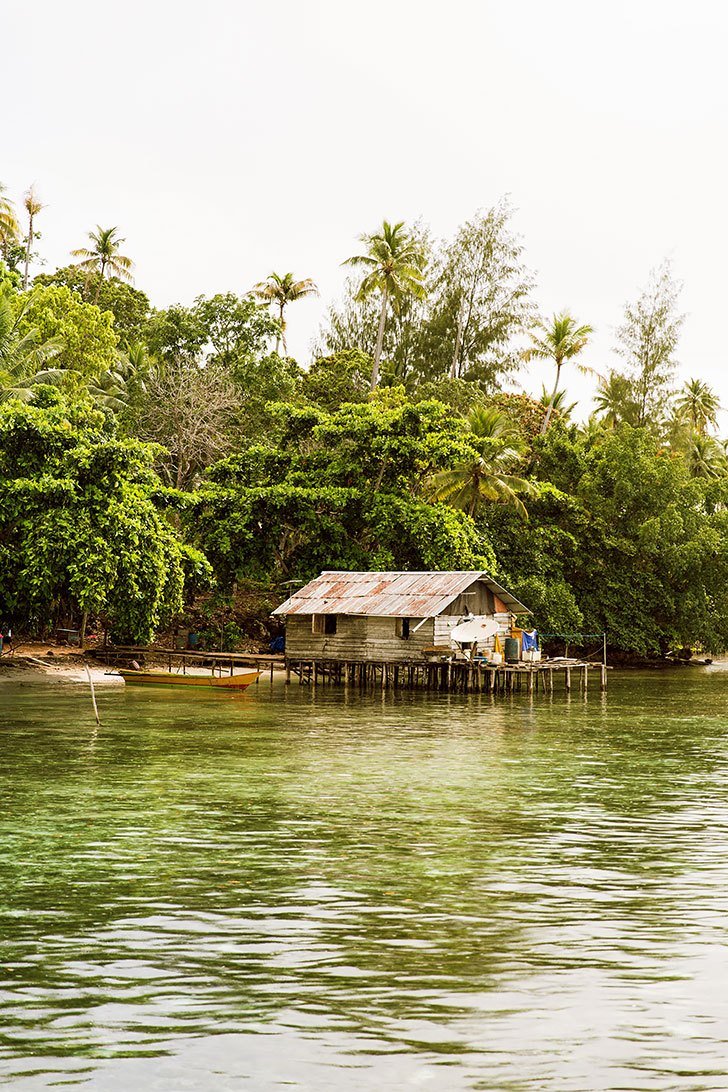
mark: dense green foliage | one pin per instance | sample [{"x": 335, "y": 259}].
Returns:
[
  {"x": 339, "y": 490},
  {"x": 80, "y": 532},
  {"x": 396, "y": 446}
]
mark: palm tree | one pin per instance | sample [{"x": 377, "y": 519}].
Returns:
[
  {"x": 22, "y": 356},
  {"x": 615, "y": 400},
  {"x": 557, "y": 403},
  {"x": 104, "y": 257},
  {"x": 697, "y": 405},
  {"x": 9, "y": 229},
  {"x": 282, "y": 290},
  {"x": 487, "y": 477},
  {"x": 560, "y": 340},
  {"x": 32, "y": 207},
  {"x": 491, "y": 423},
  {"x": 116, "y": 387},
  {"x": 484, "y": 479},
  {"x": 705, "y": 457},
  {"x": 394, "y": 263}
]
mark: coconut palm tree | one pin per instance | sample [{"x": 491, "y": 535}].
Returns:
[
  {"x": 558, "y": 403},
  {"x": 697, "y": 405},
  {"x": 23, "y": 358},
  {"x": 104, "y": 257},
  {"x": 487, "y": 477},
  {"x": 561, "y": 340},
  {"x": 484, "y": 479},
  {"x": 394, "y": 265},
  {"x": 280, "y": 291},
  {"x": 32, "y": 207},
  {"x": 116, "y": 387},
  {"x": 615, "y": 400},
  {"x": 9, "y": 229},
  {"x": 491, "y": 423},
  {"x": 705, "y": 457}
]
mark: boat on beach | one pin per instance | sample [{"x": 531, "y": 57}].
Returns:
[{"x": 240, "y": 681}]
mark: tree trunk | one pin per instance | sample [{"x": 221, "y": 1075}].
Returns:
[
  {"x": 380, "y": 340},
  {"x": 555, "y": 391},
  {"x": 98, "y": 283},
  {"x": 283, "y": 332},
  {"x": 29, "y": 244},
  {"x": 458, "y": 342},
  {"x": 82, "y": 634}
]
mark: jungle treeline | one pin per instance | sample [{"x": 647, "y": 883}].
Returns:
[{"x": 165, "y": 466}]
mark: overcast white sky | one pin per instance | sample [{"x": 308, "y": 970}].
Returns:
[{"x": 231, "y": 137}]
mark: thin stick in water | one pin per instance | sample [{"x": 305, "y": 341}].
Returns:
[{"x": 93, "y": 694}]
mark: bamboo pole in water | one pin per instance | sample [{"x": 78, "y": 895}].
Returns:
[{"x": 93, "y": 694}]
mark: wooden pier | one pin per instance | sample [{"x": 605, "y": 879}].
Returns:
[
  {"x": 461, "y": 676},
  {"x": 180, "y": 659}
]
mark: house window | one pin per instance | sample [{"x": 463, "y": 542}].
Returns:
[
  {"x": 323, "y": 624},
  {"x": 402, "y": 628}
]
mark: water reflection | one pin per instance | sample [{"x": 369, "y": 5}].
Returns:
[{"x": 320, "y": 890}]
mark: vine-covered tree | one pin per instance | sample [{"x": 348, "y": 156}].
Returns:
[{"x": 81, "y": 534}]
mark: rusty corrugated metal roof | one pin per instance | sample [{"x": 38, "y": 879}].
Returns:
[{"x": 389, "y": 595}]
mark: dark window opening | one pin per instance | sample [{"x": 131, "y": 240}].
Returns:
[
  {"x": 323, "y": 623},
  {"x": 403, "y": 628}
]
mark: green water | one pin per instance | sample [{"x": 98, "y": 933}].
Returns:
[{"x": 295, "y": 890}]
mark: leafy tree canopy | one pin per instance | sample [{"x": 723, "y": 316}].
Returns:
[
  {"x": 129, "y": 306},
  {"x": 341, "y": 489},
  {"x": 85, "y": 335},
  {"x": 79, "y": 529}
]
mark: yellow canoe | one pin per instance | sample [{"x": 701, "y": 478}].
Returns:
[{"x": 215, "y": 682}]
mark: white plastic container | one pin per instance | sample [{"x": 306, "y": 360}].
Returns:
[
  {"x": 495, "y": 657},
  {"x": 532, "y": 655}
]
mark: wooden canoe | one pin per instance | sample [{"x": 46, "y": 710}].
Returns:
[{"x": 209, "y": 682}]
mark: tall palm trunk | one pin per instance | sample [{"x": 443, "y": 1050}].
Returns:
[
  {"x": 101, "y": 277},
  {"x": 282, "y": 339},
  {"x": 550, "y": 407},
  {"x": 28, "y": 246},
  {"x": 380, "y": 340}
]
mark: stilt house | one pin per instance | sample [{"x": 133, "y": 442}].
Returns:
[{"x": 390, "y": 617}]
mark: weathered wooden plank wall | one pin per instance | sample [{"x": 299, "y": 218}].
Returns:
[{"x": 357, "y": 637}]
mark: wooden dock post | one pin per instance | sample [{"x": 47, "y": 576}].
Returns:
[
  {"x": 585, "y": 672},
  {"x": 567, "y": 679},
  {"x": 603, "y": 680}
]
